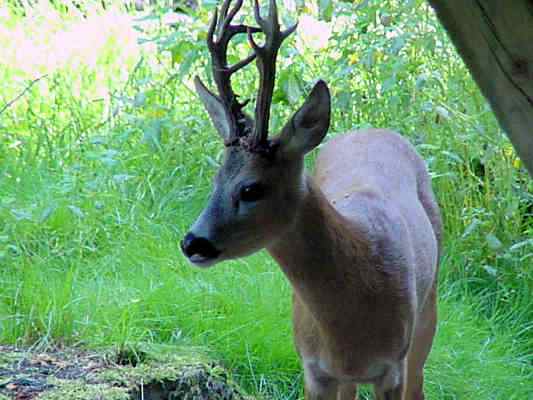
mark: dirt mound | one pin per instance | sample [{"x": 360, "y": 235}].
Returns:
[{"x": 128, "y": 374}]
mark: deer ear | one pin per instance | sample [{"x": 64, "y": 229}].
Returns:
[
  {"x": 215, "y": 108},
  {"x": 308, "y": 126}
]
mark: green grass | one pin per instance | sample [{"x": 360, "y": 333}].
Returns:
[{"x": 106, "y": 161}]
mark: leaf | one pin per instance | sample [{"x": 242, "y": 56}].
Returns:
[
  {"x": 108, "y": 161},
  {"x": 294, "y": 91},
  {"x": 429, "y": 42},
  {"x": 427, "y": 146},
  {"x": 443, "y": 112},
  {"x": 281, "y": 89},
  {"x": 453, "y": 156},
  {"x": 121, "y": 178},
  {"x": 471, "y": 227},
  {"x": 152, "y": 134},
  {"x": 178, "y": 52},
  {"x": 21, "y": 215},
  {"x": 98, "y": 140},
  {"x": 325, "y": 9},
  {"x": 139, "y": 100},
  {"x": 109, "y": 153},
  {"x": 421, "y": 80},
  {"x": 187, "y": 63},
  {"x": 388, "y": 84},
  {"x": 344, "y": 100},
  {"x": 212, "y": 162},
  {"x": 47, "y": 212},
  {"x": 14, "y": 249},
  {"x": 108, "y": 157},
  {"x": 7, "y": 200},
  {"x": 519, "y": 245},
  {"x": 76, "y": 211},
  {"x": 368, "y": 59},
  {"x": 493, "y": 242},
  {"x": 397, "y": 44},
  {"x": 385, "y": 19},
  {"x": 490, "y": 270},
  {"x": 427, "y": 106},
  {"x": 209, "y": 3}
]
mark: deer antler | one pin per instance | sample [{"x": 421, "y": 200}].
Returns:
[
  {"x": 266, "y": 64},
  {"x": 218, "y": 47}
]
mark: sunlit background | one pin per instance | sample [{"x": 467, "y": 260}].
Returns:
[{"x": 106, "y": 157}]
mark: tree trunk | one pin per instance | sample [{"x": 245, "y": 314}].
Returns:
[{"x": 495, "y": 40}]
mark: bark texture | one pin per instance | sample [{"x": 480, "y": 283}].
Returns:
[{"x": 495, "y": 40}]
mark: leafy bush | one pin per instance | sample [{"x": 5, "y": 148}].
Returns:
[{"x": 106, "y": 157}]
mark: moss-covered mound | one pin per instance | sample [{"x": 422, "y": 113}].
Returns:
[{"x": 125, "y": 375}]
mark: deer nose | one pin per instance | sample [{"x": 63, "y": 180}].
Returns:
[{"x": 192, "y": 245}]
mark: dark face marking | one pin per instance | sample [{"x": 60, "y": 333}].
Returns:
[
  {"x": 239, "y": 227},
  {"x": 241, "y": 165}
]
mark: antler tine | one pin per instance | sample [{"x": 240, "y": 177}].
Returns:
[
  {"x": 266, "y": 64},
  {"x": 229, "y": 17},
  {"x": 219, "y": 34},
  {"x": 218, "y": 48},
  {"x": 225, "y": 7}
]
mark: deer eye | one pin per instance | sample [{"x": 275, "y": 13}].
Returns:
[{"x": 252, "y": 192}]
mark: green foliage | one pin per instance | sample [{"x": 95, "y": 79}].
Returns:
[
  {"x": 165, "y": 372},
  {"x": 106, "y": 160}
]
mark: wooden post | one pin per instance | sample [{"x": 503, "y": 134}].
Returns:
[{"x": 495, "y": 40}]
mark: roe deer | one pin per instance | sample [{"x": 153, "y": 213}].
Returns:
[{"x": 359, "y": 241}]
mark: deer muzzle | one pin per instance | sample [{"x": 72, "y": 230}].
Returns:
[{"x": 199, "y": 250}]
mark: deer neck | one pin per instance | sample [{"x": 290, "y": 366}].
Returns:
[{"x": 327, "y": 258}]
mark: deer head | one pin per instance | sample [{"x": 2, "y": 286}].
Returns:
[{"x": 258, "y": 189}]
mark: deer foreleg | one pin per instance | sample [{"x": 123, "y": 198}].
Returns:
[
  {"x": 392, "y": 385},
  {"x": 318, "y": 385}
]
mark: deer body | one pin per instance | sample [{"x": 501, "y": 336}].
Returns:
[
  {"x": 359, "y": 241},
  {"x": 361, "y": 257}
]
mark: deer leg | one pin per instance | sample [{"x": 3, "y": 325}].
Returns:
[
  {"x": 347, "y": 391},
  {"x": 392, "y": 385},
  {"x": 393, "y": 394},
  {"x": 420, "y": 347},
  {"x": 321, "y": 390},
  {"x": 319, "y": 386}
]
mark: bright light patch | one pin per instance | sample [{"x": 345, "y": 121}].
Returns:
[
  {"x": 44, "y": 42},
  {"x": 312, "y": 33}
]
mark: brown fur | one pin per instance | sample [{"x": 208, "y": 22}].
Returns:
[
  {"x": 359, "y": 242},
  {"x": 362, "y": 258}
]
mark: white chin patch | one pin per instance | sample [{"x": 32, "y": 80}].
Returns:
[{"x": 201, "y": 261}]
